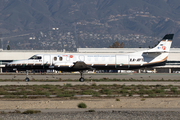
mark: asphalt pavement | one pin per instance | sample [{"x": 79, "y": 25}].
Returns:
[{"x": 76, "y": 76}]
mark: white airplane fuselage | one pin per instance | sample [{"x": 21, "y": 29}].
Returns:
[
  {"x": 98, "y": 61},
  {"x": 66, "y": 61}
]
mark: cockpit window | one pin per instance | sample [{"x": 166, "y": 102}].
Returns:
[{"x": 35, "y": 57}]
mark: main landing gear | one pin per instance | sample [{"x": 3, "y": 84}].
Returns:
[
  {"x": 27, "y": 79},
  {"x": 81, "y": 79}
]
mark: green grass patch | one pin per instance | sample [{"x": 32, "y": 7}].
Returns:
[
  {"x": 91, "y": 111},
  {"x": 69, "y": 90},
  {"x": 106, "y": 91},
  {"x": 31, "y": 112},
  {"x": 82, "y": 105},
  {"x": 143, "y": 99}
]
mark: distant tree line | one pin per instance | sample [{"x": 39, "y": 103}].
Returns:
[
  {"x": 117, "y": 45},
  {"x": 8, "y": 47}
]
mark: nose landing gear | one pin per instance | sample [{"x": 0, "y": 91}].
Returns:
[
  {"x": 81, "y": 79},
  {"x": 27, "y": 79}
]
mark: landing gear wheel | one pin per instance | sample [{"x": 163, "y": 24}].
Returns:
[
  {"x": 27, "y": 79},
  {"x": 81, "y": 79}
]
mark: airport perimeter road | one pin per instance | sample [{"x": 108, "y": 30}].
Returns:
[{"x": 76, "y": 76}]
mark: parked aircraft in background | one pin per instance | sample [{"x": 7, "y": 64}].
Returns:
[{"x": 79, "y": 62}]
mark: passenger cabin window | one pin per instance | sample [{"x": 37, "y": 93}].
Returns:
[
  {"x": 139, "y": 59},
  {"x": 60, "y": 58},
  {"x": 35, "y": 57},
  {"x": 55, "y": 58}
]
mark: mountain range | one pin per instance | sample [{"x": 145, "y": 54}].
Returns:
[{"x": 22, "y": 19}]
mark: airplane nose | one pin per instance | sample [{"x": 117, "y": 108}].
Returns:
[
  {"x": 11, "y": 63},
  {"x": 8, "y": 64}
]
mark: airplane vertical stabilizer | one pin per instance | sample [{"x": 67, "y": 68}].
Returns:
[
  {"x": 164, "y": 45},
  {"x": 159, "y": 53}
]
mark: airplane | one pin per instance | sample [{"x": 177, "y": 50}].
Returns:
[{"x": 70, "y": 62}]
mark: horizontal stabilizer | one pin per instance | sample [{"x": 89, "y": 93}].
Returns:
[{"x": 153, "y": 52}]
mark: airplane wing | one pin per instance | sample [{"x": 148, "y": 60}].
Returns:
[{"x": 80, "y": 65}]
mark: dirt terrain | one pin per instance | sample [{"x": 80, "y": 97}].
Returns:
[{"x": 92, "y": 103}]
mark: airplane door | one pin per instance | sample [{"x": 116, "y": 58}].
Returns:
[
  {"x": 122, "y": 60},
  {"x": 47, "y": 59}
]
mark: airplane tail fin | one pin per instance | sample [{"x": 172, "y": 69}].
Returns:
[
  {"x": 160, "y": 53},
  {"x": 164, "y": 45}
]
